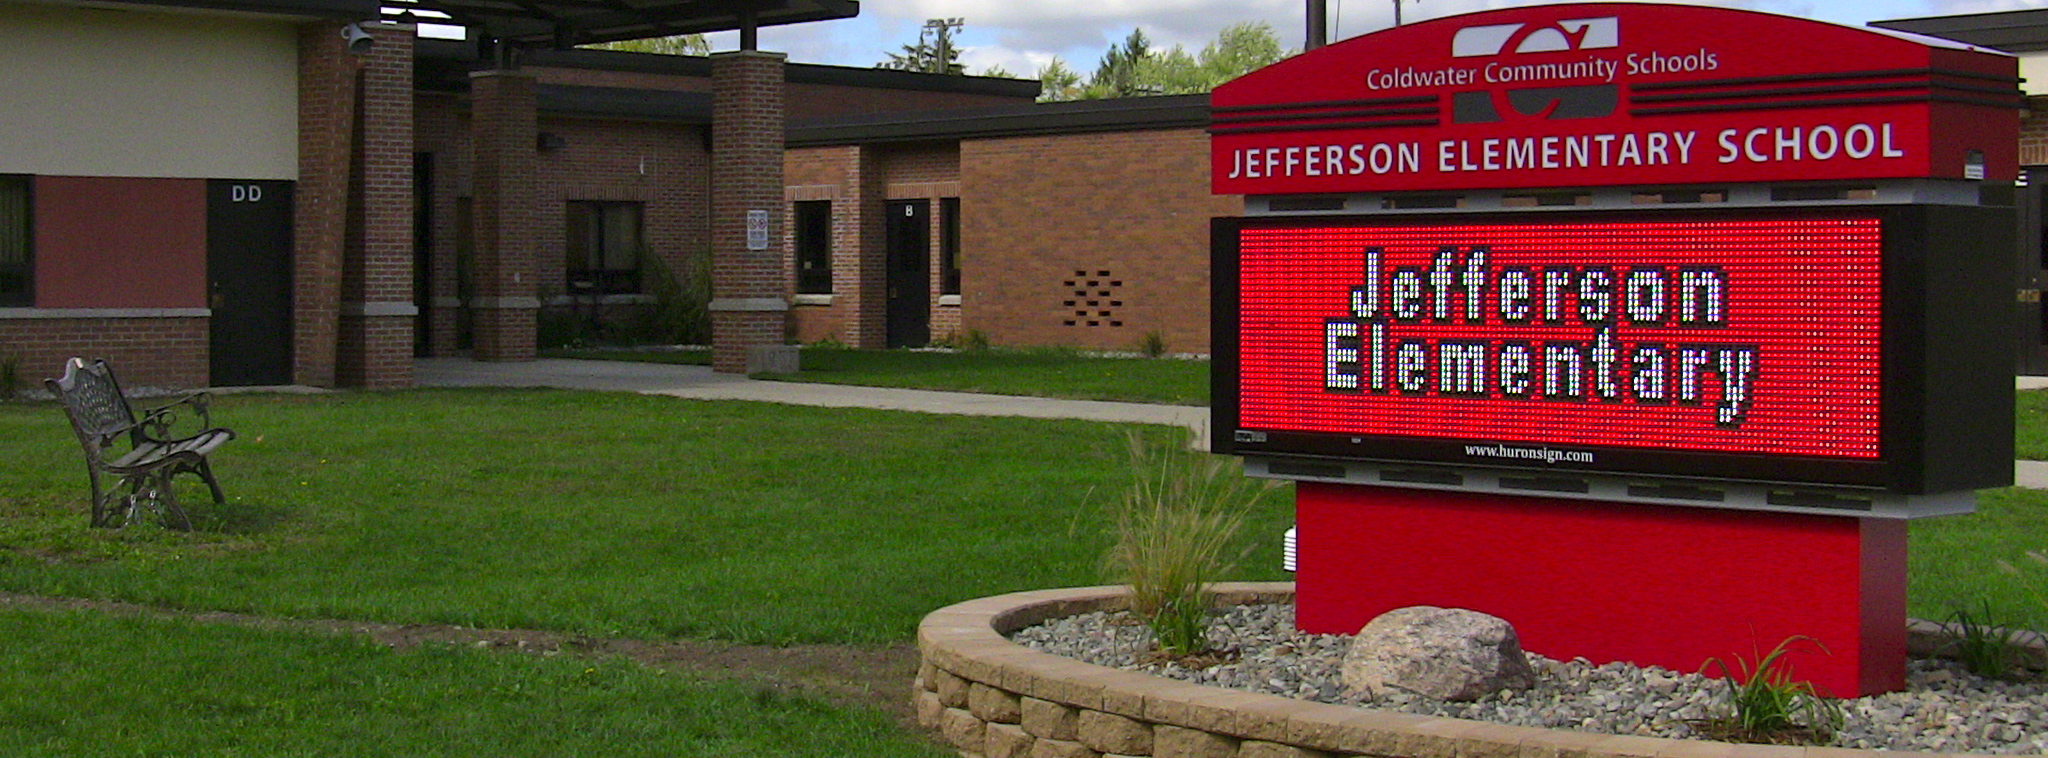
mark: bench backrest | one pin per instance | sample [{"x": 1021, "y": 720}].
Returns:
[{"x": 93, "y": 400}]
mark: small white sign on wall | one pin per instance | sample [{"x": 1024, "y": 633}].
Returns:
[{"x": 757, "y": 230}]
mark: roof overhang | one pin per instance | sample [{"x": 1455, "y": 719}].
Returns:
[
  {"x": 2010, "y": 31},
  {"x": 566, "y": 23},
  {"x": 359, "y": 10}
]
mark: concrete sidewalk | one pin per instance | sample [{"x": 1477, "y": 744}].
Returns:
[{"x": 700, "y": 383}]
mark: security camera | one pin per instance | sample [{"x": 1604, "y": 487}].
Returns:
[{"x": 359, "y": 41}]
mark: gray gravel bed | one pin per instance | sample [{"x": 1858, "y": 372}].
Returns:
[{"x": 1943, "y": 709}]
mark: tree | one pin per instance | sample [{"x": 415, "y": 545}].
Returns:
[
  {"x": 1057, "y": 83},
  {"x": 681, "y": 44},
  {"x": 1134, "y": 69},
  {"x": 934, "y": 52},
  {"x": 1119, "y": 75},
  {"x": 1238, "y": 50}
]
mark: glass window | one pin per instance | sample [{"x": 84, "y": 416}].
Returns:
[
  {"x": 814, "y": 247},
  {"x": 604, "y": 247},
  {"x": 949, "y": 246},
  {"x": 16, "y": 287}
]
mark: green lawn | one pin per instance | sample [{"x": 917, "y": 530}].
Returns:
[
  {"x": 599, "y": 513},
  {"x": 1953, "y": 560},
  {"x": 1038, "y": 372},
  {"x": 2031, "y": 440},
  {"x": 606, "y": 514},
  {"x": 91, "y": 684}
]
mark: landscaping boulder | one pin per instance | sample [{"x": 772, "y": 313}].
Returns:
[{"x": 1444, "y": 653}]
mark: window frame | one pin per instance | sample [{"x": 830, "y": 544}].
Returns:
[
  {"x": 811, "y": 246},
  {"x": 25, "y": 295},
  {"x": 949, "y": 246},
  {"x": 579, "y": 277}
]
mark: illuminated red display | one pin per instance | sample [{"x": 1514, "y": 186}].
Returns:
[{"x": 1545, "y": 337}]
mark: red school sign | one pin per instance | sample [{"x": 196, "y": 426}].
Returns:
[{"x": 1611, "y": 94}]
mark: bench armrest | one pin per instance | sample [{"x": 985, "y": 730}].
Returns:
[{"x": 156, "y": 422}]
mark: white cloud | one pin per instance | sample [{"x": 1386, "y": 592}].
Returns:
[{"x": 1023, "y": 35}]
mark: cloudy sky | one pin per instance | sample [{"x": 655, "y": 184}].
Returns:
[{"x": 1022, "y": 35}]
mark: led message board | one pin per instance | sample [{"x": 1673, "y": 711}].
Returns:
[{"x": 1796, "y": 346}]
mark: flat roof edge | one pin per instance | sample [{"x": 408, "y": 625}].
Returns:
[
  {"x": 1131, "y": 114},
  {"x": 359, "y": 10}
]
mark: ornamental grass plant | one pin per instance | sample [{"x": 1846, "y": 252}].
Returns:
[
  {"x": 1173, "y": 533},
  {"x": 1766, "y": 705}
]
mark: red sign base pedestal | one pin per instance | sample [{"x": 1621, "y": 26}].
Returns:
[{"x": 1646, "y": 584}]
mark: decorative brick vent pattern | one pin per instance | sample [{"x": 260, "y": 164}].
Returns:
[
  {"x": 1093, "y": 299},
  {"x": 991, "y": 698}
]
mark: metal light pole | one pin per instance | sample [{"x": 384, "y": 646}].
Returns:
[{"x": 1318, "y": 25}]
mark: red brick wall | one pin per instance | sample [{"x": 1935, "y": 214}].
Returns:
[
  {"x": 928, "y": 172},
  {"x": 376, "y": 348},
  {"x": 146, "y": 352},
  {"x": 746, "y": 174},
  {"x": 327, "y": 82},
  {"x": 662, "y": 166},
  {"x": 859, "y": 181},
  {"x": 503, "y": 132},
  {"x": 1044, "y": 217},
  {"x": 114, "y": 242},
  {"x": 440, "y": 132}
]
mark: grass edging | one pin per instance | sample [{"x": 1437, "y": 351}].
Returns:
[{"x": 986, "y": 695}]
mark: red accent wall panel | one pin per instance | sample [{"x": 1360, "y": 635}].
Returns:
[
  {"x": 111, "y": 242},
  {"x": 1651, "y": 585}
]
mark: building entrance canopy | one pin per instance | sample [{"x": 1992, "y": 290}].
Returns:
[{"x": 567, "y": 23}]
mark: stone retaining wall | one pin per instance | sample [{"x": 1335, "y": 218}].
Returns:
[{"x": 992, "y": 698}]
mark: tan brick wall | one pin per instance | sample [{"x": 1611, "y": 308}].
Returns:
[{"x": 1043, "y": 217}]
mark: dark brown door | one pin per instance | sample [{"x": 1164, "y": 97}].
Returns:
[
  {"x": 910, "y": 275},
  {"x": 249, "y": 281}
]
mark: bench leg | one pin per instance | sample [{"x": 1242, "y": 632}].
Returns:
[
  {"x": 148, "y": 494},
  {"x": 167, "y": 504},
  {"x": 205, "y": 470}
]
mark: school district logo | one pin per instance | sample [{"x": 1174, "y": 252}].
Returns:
[
  {"x": 1556, "y": 102},
  {"x": 1563, "y": 36}
]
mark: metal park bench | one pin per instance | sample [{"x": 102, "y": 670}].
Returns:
[{"x": 126, "y": 482}]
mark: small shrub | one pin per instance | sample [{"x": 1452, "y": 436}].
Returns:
[
  {"x": 1153, "y": 344},
  {"x": 10, "y": 375},
  {"x": 1766, "y": 705},
  {"x": 1981, "y": 644},
  {"x": 1170, "y": 533},
  {"x": 975, "y": 340},
  {"x": 682, "y": 299}
]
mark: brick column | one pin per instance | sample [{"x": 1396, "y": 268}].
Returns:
[
  {"x": 377, "y": 312},
  {"x": 327, "y": 99},
  {"x": 748, "y": 287},
  {"x": 867, "y": 327},
  {"x": 506, "y": 304}
]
